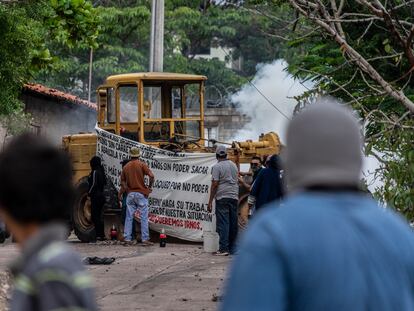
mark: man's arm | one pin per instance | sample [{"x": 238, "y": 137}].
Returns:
[
  {"x": 124, "y": 186},
  {"x": 93, "y": 182},
  {"x": 257, "y": 184},
  {"x": 150, "y": 175},
  {"x": 244, "y": 184},
  {"x": 151, "y": 181},
  {"x": 52, "y": 288},
  {"x": 213, "y": 192},
  {"x": 215, "y": 174},
  {"x": 57, "y": 295}
]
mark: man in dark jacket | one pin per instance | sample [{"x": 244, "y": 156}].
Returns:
[
  {"x": 268, "y": 185},
  {"x": 36, "y": 196},
  {"x": 97, "y": 181},
  {"x": 329, "y": 246}
]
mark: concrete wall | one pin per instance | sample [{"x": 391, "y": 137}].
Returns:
[
  {"x": 222, "y": 53},
  {"x": 223, "y": 123},
  {"x": 55, "y": 118}
]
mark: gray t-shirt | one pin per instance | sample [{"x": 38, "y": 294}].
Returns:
[{"x": 226, "y": 172}]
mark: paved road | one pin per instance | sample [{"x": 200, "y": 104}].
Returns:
[{"x": 178, "y": 277}]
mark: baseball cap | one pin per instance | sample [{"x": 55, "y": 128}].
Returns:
[{"x": 221, "y": 150}]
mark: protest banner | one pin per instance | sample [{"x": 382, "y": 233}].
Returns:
[{"x": 178, "y": 202}]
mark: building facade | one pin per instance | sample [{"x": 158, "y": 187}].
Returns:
[{"x": 56, "y": 114}]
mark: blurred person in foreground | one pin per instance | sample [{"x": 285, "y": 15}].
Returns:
[
  {"x": 267, "y": 186},
  {"x": 36, "y": 195},
  {"x": 330, "y": 246}
]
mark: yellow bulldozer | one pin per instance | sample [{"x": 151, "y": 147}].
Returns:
[{"x": 163, "y": 110}]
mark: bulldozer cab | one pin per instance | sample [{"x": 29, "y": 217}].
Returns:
[{"x": 153, "y": 108}]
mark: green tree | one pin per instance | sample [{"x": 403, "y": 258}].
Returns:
[
  {"x": 26, "y": 29},
  {"x": 123, "y": 47},
  {"x": 362, "y": 53},
  {"x": 190, "y": 27}
]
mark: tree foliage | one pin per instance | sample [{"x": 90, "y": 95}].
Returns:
[
  {"x": 27, "y": 29},
  {"x": 16, "y": 46},
  {"x": 362, "y": 53},
  {"x": 190, "y": 28}
]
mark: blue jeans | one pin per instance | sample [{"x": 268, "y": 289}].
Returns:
[
  {"x": 136, "y": 201},
  {"x": 227, "y": 224}
]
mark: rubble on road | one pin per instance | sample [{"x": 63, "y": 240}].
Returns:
[{"x": 5, "y": 282}]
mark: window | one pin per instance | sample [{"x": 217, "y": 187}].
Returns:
[
  {"x": 157, "y": 131},
  {"x": 176, "y": 102},
  {"x": 110, "y": 107},
  {"x": 187, "y": 130},
  {"x": 192, "y": 96},
  {"x": 152, "y": 102},
  {"x": 128, "y": 99},
  {"x": 210, "y": 133}
]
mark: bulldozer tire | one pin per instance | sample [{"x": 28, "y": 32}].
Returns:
[{"x": 81, "y": 215}]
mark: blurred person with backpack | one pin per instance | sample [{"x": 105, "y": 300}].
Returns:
[{"x": 36, "y": 197}]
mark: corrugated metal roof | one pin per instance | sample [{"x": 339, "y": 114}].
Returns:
[{"x": 46, "y": 91}]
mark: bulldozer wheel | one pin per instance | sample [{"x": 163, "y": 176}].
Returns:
[{"x": 81, "y": 216}]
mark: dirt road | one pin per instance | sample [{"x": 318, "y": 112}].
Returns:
[{"x": 178, "y": 277}]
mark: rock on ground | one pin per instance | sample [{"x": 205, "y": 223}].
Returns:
[{"x": 4, "y": 290}]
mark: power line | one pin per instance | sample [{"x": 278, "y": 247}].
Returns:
[
  {"x": 257, "y": 89},
  {"x": 268, "y": 100}
]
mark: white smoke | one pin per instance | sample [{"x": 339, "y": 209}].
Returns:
[{"x": 278, "y": 87}]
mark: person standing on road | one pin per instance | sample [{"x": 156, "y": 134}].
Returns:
[
  {"x": 133, "y": 182},
  {"x": 255, "y": 168},
  {"x": 36, "y": 197},
  {"x": 97, "y": 181},
  {"x": 268, "y": 185},
  {"x": 329, "y": 246},
  {"x": 122, "y": 196},
  {"x": 225, "y": 190}
]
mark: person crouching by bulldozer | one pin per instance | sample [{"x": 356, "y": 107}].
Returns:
[
  {"x": 97, "y": 181},
  {"x": 36, "y": 196},
  {"x": 132, "y": 181}
]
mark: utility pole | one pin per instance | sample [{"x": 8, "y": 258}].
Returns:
[
  {"x": 90, "y": 75},
  {"x": 157, "y": 36},
  {"x": 156, "y": 52}
]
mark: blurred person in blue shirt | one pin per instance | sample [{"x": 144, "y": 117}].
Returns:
[{"x": 329, "y": 246}]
